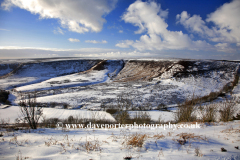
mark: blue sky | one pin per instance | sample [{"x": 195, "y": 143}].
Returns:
[{"x": 120, "y": 29}]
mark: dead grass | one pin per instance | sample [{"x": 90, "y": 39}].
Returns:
[
  {"x": 231, "y": 130},
  {"x": 88, "y": 145},
  {"x": 136, "y": 140},
  {"x": 51, "y": 141},
  {"x": 188, "y": 137},
  {"x": 185, "y": 113},
  {"x": 158, "y": 136},
  {"x": 15, "y": 141},
  {"x": 198, "y": 152}
]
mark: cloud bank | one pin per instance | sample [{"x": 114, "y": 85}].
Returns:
[
  {"x": 13, "y": 52},
  {"x": 77, "y": 16},
  {"x": 8, "y": 52},
  {"x": 226, "y": 25},
  {"x": 150, "y": 20}
]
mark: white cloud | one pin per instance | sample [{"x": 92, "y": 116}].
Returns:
[
  {"x": 225, "y": 19},
  {"x": 125, "y": 44},
  {"x": 150, "y": 18},
  {"x": 95, "y": 42},
  {"x": 194, "y": 23},
  {"x": 58, "y": 30},
  {"x": 73, "y": 40},
  {"x": 224, "y": 47},
  {"x": 2, "y": 29},
  {"x": 117, "y": 54},
  {"x": 120, "y": 31},
  {"x": 104, "y": 41},
  {"x": 76, "y": 15}
]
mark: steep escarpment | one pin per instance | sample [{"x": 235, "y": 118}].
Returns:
[
  {"x": 147, "y": 70},
  {"x": 143, "y": 70}
]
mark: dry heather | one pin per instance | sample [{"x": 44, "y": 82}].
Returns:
[
  {"x": 188, "y": 137},
  {"x": 136, "y": 140}
]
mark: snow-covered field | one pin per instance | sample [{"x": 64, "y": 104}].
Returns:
[
  {"x": 116, "y": 143},
  {"x": 10, "y": 114},
  {"x": 76, "y": 83}
]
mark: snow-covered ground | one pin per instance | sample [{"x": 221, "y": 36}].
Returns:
[
  {"x": 112, "y": 144},
  {"x": 11, "y": 113},
  {"x": 91, "y": 89},
  {"x": 115, "y": 143}
]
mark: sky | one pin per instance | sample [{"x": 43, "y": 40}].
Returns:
[{"x": 199, "y": 29}]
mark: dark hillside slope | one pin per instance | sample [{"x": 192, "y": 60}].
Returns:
[{"x": 28, "y": 73}]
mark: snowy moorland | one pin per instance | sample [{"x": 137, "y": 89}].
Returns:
[
  {"x": 90, "y": 83},
  {"x": 89, "y": 87}
]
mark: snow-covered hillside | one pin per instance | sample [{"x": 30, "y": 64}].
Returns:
[
  {"x": 109, "y": 70},
  {"x": 90, "y": 83},
  {"x": 35, "y": 72}
]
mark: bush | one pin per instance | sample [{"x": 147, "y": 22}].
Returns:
[
  {"x": 185, "y": 113},
  {"x": 123, "y": 117},
  {"x": 53, "y": 104},
  {"x": 208, "y": 113},
  {"x": 162, "y": 107},
  {"x": 65, "y": 106},
  {"x": 141, "y": 117},
  {"x": 111, "y": 110},
  {"x": 51, "y": 123},
  {"x": 4, "y": 97},
  {"x": 70, "y": 119},
  {"x": 227, "y": 110},
  {"x": 30, "y": 111}
]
